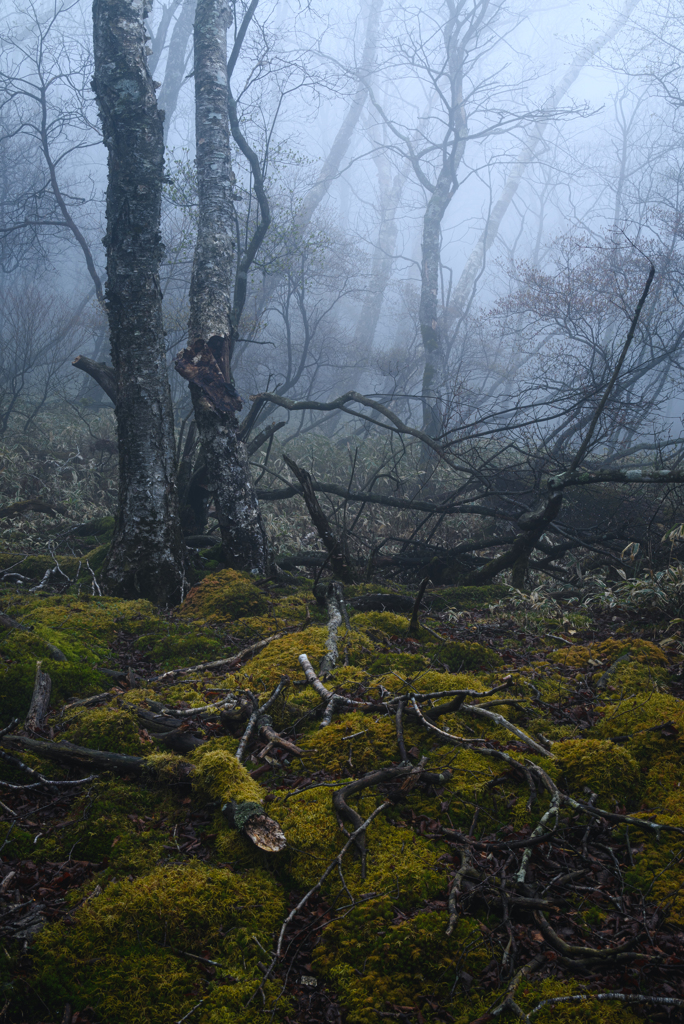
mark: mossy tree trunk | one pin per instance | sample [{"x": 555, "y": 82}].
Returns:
[
  {"x": 206, "y": 361},
  {"x": 146, "y": 556}
]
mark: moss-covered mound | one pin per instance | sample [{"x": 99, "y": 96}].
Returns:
[{"x": 150, "y": 905}]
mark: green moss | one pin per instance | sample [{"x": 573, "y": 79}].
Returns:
[
  {"x": 220, "y": 774},
  {"x": 600, "y": 657},
  {"x": 382, "y": 622},
  {"x": 15, "y": 841},
  {"x": 281, "y": 656},
  {"x": 329, "y": 749},
  {"x": 405, "y": 665},
  {"x": 638, "y": 718},
  {"x": 109, "y": 728},
  {"x": 224, "y": 596},
  {"x": 85, "y": 628},
  {"x": 121, "y": 952},
  {"x": 399, "y": 862},
  {"x": 97, "y": 557},
  {"x": 68, "y": 680},
  {"x": 374, "y": 959},
  {"x": 468, "y": 657},
  {"x": 35, "y": 566},
  {"x": 115, "y": 824},
  {"x": 606, "y": 768}
]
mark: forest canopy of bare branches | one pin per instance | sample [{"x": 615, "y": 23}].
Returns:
[{"x": 341, "y": 377}]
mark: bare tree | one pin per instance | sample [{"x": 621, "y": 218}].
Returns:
[
  {"x": 146, "y": 556},
  {"x": 44, "y": 81},
  {"x": 207, "y": 361}
]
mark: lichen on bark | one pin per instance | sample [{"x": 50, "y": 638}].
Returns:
[{"x": 146, "y": 555}]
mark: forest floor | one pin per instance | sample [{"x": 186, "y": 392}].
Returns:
[{"x": 525, "y": 857}]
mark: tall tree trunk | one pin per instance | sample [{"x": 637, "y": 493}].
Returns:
[
  {"x": 381, "y": 266},
  {"x": 174, "y": 73},
  {"x": 340, "y": 145},
  {"x": 428, "y": 310},
  {"x": 146, "y": 556},
  {"x": 206, "y": 361}
]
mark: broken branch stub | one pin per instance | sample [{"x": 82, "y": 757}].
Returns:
[{"x": 40, "y": 700}]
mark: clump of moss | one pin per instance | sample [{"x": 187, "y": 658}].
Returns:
[
  {"x": 68, "y": 680},
  {"x": 468, "y": 657},
  {"x": 220, "y": 774},
  {"x": 637, "y": 719},
  {"x": 398, "y": 861},
  {"x": 281, "y": 656},
  {"x": 121, "y": 953},
  {"x": 605, "y": 767},
  {"x": 601, "y": 656},
  {"x": 374, "y": 958},
  {"x": 374, "y": 744},
  {"x": 114, "y": 729},
  {"x": 382, "y": 622},
  {"x": 643, "y": 651},
  {"x": 85, "y": 628},
  {"x": 405, "y": 664},
  {"x": 664, "y": 786},
  {"x": 224, "y": 596}
]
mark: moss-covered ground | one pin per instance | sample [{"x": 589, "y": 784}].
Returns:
[{"x": 131, "y": 900}]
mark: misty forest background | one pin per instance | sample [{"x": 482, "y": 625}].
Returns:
[{"x": 449, "y": 209}]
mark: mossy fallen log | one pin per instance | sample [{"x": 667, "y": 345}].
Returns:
[{"x": 217, "y": 773}]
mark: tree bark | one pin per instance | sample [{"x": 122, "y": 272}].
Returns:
[
  {"x": 206, "y": 361},
  {"x": 146, "y": 556},
  {"x": 40, "y": 700},
  {"x": 428, "y": 310},
  {"x": 104, "y": 375}
]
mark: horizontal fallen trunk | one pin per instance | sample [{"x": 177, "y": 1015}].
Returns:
[{"x": 248, "y": 817}]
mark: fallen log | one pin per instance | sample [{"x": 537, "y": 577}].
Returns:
[{"x": 247, "y": 816}]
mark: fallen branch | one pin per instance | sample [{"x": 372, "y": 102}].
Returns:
[
  {"x": 265, "y": 726},
  {"x": 248, "y": 817},
  {"x": 619, "y": 997},
  {"x": 410, "y": 773},
  {"x": 258, "y": 712},
  {"x": 334, "y": 600},
  {"x": 227, "y": 663},
  {"x": 336, "y": 862},
  {"x": 331, "y": 699},
  {"x": 455, "y": 890},
  {"x": 332, "y": 545},
  {"x": 492, "y": 716}
]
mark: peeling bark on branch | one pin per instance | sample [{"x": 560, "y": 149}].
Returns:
[{"x": 248, "y": 817}]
